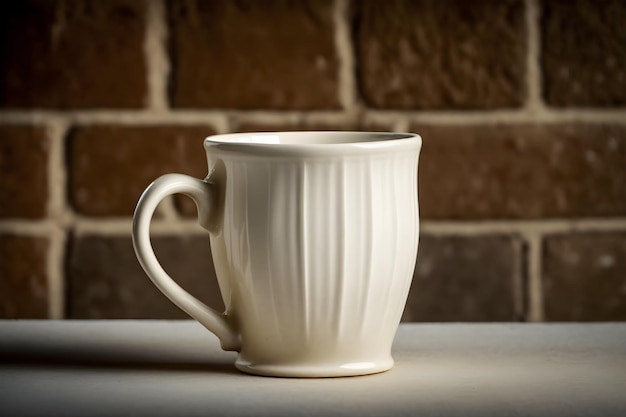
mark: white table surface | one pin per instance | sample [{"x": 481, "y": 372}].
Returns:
[{"x": 175, "y": 368}]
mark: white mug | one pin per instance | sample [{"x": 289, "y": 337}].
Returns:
[{"x": 314, "y": 238}]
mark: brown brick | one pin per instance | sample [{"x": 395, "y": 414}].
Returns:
[
  {"x": 23, "y": 172},
  {"x": 584, "y": 277},
  {"x": 584, "y": 52},
  {"x": 522, "y": 172},
  {"x": 111, "y": 166},
  {"x": 466, "y": 279},
  {"x": 105, "y": 280},
  {"x": 248, "y": 54},
  {"x": 73, "y": 53},
  {"x": 23, "y": 277},
  {"x": 430, "y": 54},
  {"x": 188, "y": 208}
]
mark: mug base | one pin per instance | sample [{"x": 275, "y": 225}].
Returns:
[{"x": 314, "y": 371}]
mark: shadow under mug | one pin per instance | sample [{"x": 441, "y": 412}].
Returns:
[{"x": 314, "y": 238}]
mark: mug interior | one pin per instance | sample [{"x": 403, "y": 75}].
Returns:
[{"x": 308, "y": 138}]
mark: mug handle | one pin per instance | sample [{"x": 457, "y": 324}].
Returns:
[{"x": 201, "y": 193}]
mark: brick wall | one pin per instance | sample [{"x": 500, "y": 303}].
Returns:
[{"x": 521, "y": 104}]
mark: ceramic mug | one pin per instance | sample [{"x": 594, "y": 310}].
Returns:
[{"x": 314, "y": 239}]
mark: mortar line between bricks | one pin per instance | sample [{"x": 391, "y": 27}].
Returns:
[
  {"x": 124, "y": 227},
  {"x": 35, "y": 228},
  {"x": 521, "y": 116},
  {"x": 158, "y": 70},
  {"x": 157, "y": 62},
  {"x": 57, "y": 130},
  {"x": 257, "y": 117},
  {"x": 534, "y": 285},
  {"x": 519, "y": 281},
  {"x": 223, "y": 124},
  {"x": 167, "y": 208},
  {"x": 56, "y": 273},
  {"x": 58, "y": 213},
  {"x": 401, "y": 125},
  {"x": 220, "y": 118},
  {"x": 534, "y": 101},
  {"x": 345, "y": 52},
  {"x": 543, "y": 227},
  {"x": 115, "y": 226}
]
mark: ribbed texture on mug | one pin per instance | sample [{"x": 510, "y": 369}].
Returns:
[{"x": 323, "y": 251}]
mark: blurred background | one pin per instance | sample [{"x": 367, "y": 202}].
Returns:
[{"x": 521, "y": 105}]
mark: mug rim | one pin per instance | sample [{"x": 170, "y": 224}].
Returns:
[{"x": 334, "y": 143}]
